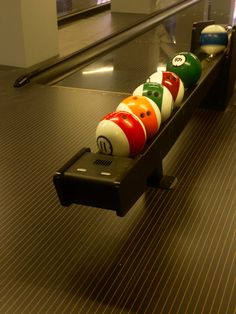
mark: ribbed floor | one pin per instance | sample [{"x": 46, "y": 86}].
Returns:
[{"x": 174, "y": 252}]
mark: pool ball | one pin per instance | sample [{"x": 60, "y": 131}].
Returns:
[
  {"x": 146, "y": 110},
  {"x": 120, "y": 134},
  {"x": 187, "y": 66},
  {"x": 172, "y": 82},
  {"x": 213, "y": 39},
  {"x": 159, "y": 94}
]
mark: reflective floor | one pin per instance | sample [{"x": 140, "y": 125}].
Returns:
[
  {"x": 65, "y": 7},
  {"x": 128, "y": 66},
  {"x": 101, "y": 25},
  {"x": 98, "y": 27}
]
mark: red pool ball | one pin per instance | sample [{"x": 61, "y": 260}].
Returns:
[
  {"x": 120, "y": 134},
  {"x": 187, "y": 66},
  {"x": 146, "y": 110},
  {"x": 171, "y": 81}
]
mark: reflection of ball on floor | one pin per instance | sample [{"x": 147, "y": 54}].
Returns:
[
  {"x": 159, "y": 94},
  {"x": 187, "y": 66},
  {"x": 213, "y": 39},
  {"x": 120, "y": 134},
  {"x": 172, "y": 82},
  {"x": 145, "y": 109}
]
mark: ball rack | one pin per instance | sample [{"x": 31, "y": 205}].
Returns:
[{"x": 116, "y": 183}]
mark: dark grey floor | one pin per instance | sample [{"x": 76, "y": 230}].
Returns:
[{"x": 174, "y": 252}]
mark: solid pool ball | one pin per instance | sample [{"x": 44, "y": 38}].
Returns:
[
  {"x": 171, "y": 81},
  {"x": 213, "y": 39},
  {"x": 120, "y": 134},
  {"x": 159, "y": 94},
  {"x": 187, "y": 66},
  {"x": 146, "y": 110}
]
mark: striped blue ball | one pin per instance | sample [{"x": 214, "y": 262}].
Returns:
[{"x": 213, "y": 39}]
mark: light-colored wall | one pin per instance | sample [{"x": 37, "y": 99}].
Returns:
[{"x": 28, "y": 32}]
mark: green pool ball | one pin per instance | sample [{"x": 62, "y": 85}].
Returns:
[{"x": 187, "y": 66}]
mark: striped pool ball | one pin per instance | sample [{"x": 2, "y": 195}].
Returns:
[
  {"x": 146, "y": 110},
  {"x": 213, "y": 39},
  {"x": 187, "y": 66},
  {"x": 120, "y": 134},
  {"x": 172, "y": 82},
  {"x": 160, "y": 95}
]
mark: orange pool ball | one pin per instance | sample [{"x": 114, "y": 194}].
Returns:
[{"x": 146, "y": 110}]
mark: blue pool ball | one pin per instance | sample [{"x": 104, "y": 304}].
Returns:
[{"x": 213, "y": 39}]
